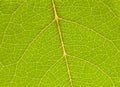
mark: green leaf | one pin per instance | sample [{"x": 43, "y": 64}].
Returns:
[{"x": 59, "y": 43}]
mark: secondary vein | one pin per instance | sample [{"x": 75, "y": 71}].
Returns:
[{"x": 62, "y": 43}]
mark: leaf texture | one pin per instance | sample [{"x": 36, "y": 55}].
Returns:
[{"x": 59, "y": 43}]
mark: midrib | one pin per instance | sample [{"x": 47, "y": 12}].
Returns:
[{"x": 62, "y": 42}]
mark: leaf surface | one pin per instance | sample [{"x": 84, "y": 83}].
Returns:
[{"x": 59, "y": 43}]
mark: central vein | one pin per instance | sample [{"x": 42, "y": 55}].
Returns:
[{"x": 62, "y": 43}]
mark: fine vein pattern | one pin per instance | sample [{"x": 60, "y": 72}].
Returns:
[{"x": 59, "y": 43}]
